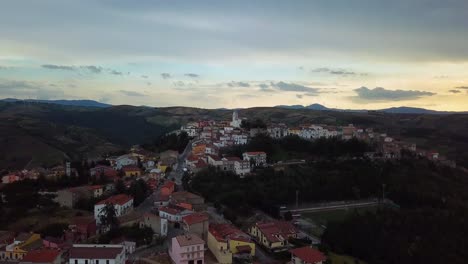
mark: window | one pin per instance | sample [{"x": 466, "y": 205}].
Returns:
[
  {"x": 86, "y": 261},
  {"x": 97, "y": 261},
  {"x": 107, "y": 261},
  {"x": 198, "y": 247},
  {"x": 76, "y": 261}
]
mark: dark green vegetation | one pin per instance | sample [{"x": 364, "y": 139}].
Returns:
[
  {"x": 171, "y": 141},
  {"x": 293, "y": 147},
  {"x": 142, "y": 236},
  {"x": 429, "y": 226},
  {"x": 45, "y": 134}
]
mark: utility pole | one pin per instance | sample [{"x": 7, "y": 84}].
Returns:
[
  {"x": 383, "y": 192},
  {"x": 297, "y": 198}
]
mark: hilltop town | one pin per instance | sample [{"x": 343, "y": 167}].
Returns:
[{"x": 141, "y": 207}]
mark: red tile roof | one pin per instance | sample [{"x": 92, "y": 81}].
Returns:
[
  {"x": 169, "y": 210},
  {"x": 130, "y": 168},
  {"x": 120, "y": 199},
  {"x": 256, "y": 153},
  {"x": 277, "y": 231},
  {"x": 308, "y": 254},
  {"x": 195, "y": 218},
  {"x": 41, "y": 256},
  {"x": 169, "y": 184},
  {"x": 100, "y": 252},
  {"x": 224, "y": 231}
]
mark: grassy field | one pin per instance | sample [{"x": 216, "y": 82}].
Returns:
[
  {"x": 321, "y": 219},
  {"x": 342, "y": 259}
]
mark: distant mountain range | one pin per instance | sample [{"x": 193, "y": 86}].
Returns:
[
  {"x": 82, "y": 103},
  {"x": 392, "y": 110}
]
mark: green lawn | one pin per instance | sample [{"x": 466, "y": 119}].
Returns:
[
  {"x": 322, "y": 218},
  {"x": 342, "y": 259}
]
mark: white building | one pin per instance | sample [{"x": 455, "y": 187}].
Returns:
[
  {"x": 188, "y": 248},
  {"x": 258, "y": 157},
  {"x": 173, "y": 214},
  {"x": 191, "y": 131},
  {"x": 123, "y": 204},
  {"x": 236, "y": 121},
  {"x": 125, "y": 160},
  {"x": 97, "y": 254},
  {"x": 239, "y": 139},
  {"x": 242, "y": 167}
]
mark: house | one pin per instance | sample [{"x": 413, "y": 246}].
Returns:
[
  {"x": 196, "y": 223},
  {"x": 257, "y": 158},
  {"x": 168, "y": 188},
  {"x": 241, "y": 167},
  {"x": 130, "y": 219},
  {"x": 83, "y": 227},
  {"x": 122, "y": 203},
  {"x": 130, "y": 171},
  {"x": 96, "y": 190},
  {"x": 54, "y": 243},
  {"x": 173, "y": 213},
  {"x": 199, "y": 149},
  {"x": 161, "y": 200},
  {"x": 273, "y": 235},
  {"x": 21, "y": 245},
  {"x": 156, "y": 223},
  {"x": 187, "y": 248},
  {"x": 125, "y": 160},
  {"x": 10, "y": 178},
  {"x": 102, "y": 170},
  {"x": 97, "y": 254},
  {"x": 6, "y": 237},
  {"x": 307, "y": 255},
  {"x": 188, "y": 200},
  {"x": 226, "y": 241},
  {"x": 68, "y": 197},
  {"x": 43, "y": 256}
]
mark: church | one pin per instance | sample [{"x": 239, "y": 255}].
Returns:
[{"x": 236, "y": 121}]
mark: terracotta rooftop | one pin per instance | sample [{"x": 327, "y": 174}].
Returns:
[
  {"x": 189, "y": 239},
  {"x": 120, "y": 199},
  {"x": 224, "y": 231},
  {"x": 255, "y": 153},
  {"x": 195, "y": 218},
  {"x": 130, "y": 168},
  {"x": 277, "y": 231},
  {"x": 41, "y": 256},
  {"x": 308, "y": 254},
  {"x": 99, "y": 252}
]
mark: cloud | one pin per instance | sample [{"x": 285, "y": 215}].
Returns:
[
  {"x": 144, "y": 76},
  {"x": 58, "y": 67},
  {"x": 116, "y": 72},
  {"x": 455, "y": 91},
  {"x": 92, "y": 68},
  {"x": 341, "y": 72},
  {"x": 179, "y": 83},
  {"x": 192, "y": 75},
  {"x": 382, "y": 94},
  {"x": 263, "y": 85},
  {"x": 28, "y": 90},
  {"x": 238, "y": 84},
  {"x": 299, "y": 96},
  {"x": 462, "y": 87},
  {"x": 166, "y": 75},
  {"x": 293, "y": 87},
  {"x": 131, "y": 93},
  {"x": 148, "y": 83}
]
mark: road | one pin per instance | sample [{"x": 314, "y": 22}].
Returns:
[
  {"x": 332, "y": 206},
  {"x": 178, "y": 169}
]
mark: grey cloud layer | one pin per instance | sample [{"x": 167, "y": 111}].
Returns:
[
  {"x": 166, "y": 75},
  {"x": 90, "y": 68},
  {"x": 192, "y": 75},
  {"x": 131, "y": 93},
  {"x": 238, "y": 84},
  {"x": 382, "y": 94},
  {"x": 213, "y": 31},
  {"x": 31, "y": 90}
]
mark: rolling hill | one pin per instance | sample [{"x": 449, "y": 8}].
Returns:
[{"x": 45, "y": 134}]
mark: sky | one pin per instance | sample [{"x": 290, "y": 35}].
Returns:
[{"x": 360, "y": 54}]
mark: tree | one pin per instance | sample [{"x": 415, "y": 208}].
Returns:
[
  {"x": 288, "y": 216},
  {"x": 108, "y": 216},
  {"x": 119, "y": 186}
]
